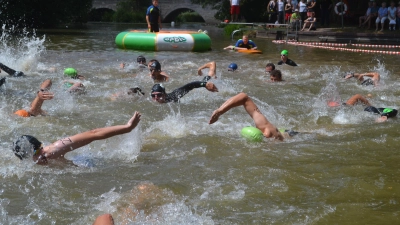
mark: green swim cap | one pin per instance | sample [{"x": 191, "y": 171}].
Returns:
[
  {"x": 252, "y": 134},
  {"x": 70, "y": 72},
  {"x": 284, "y": 52}
]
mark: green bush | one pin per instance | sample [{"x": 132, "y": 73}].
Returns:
[
  {"x": 228, "y": 29},
  {"x": 189, "y": 16}
]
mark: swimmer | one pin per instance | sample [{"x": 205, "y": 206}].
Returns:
[
  {"x": 275, "y": 76},
  {"x": 155, "y": 71},
  {"x": 232, "y": 67},
  {"x": 158, "y": 91},
  {"x": 212, "y": 69},
  {"x": 72, "y": 85},
  {"x": 373, "y": 80},
  {"x": 141, "y": 60},
  {"x": 269, "y": 68},
  {"x": 384, "y": 113},
  {"x": 136, "y": 91},
  {"x": 36, "y": 106},
  {"x": 243, "y": 43},
  {"x": 10, "y": 71},
  {"x": 285, "y": 59},
  {"x": 28, "y": 146},
  {"x": 261, "y": 122}
]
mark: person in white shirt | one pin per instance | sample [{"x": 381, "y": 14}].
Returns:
[
  {"x": 281, "y": 11},
  {"x": 235, "y": 10},
  {"x": 392, "y": 16}
]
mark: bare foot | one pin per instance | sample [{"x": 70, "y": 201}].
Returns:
[
  {"x": 214, "y": 117},
  {"x": 133, "y": 122},
  {"x": 381, "y": 30}
]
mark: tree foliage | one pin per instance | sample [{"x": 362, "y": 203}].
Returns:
[
  {"x": 131, "y": 11},
  {"x": 44, "y": 13}
]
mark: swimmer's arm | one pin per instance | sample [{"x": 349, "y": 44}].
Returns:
[
  {"x": 36, "y": 106},
  {"x": 122, "y": 65},
  {"x": 76, "y": 86},
  {"x": 212, "y": 68},
  {"x": 165, "y": 75}
]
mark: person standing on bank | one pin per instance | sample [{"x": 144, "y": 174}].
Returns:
[
  {"x": 153, "y": 17},
  {"x": 235, "y": 10}
]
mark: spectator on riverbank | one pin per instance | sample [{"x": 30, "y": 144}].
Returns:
[
  {"x": 272, "y": 11},
  {"x": 372, "y": 16},
  {"x": 310, "y": 22},
  {"x": 398, "y": 16},
  {"x": 295, "y": 20},
  {"x": 303, "y": 9},
  {"x": 288, "y": 11},
  {"x": 311, "y": 6},
  {"x": 362, "y": 19},
  {"x": 392, "y": 16},
  {"x": 382, "y": 16},
  {"x": 281, "y": 11},
  {"x": 235, "y": 10}
]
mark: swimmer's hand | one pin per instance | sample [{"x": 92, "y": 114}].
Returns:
[
  {"x": 199, "y": 72},
  {"x": 211, "y": 87},
  {"x": 214, "y": 116},
  {"x": 348, "y": 76},
  {"x": 122, "y": 65},
  {"x": 44, "y": 94},
  {"x": 381, "y": 119}
]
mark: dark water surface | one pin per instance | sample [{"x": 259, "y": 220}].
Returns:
[{"x": 344, "y": 169}]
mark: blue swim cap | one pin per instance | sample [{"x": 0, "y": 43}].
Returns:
[{"x": 232, "y": 67}]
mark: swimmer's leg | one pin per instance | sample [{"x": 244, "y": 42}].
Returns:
[{"x": 10, "y": 71}]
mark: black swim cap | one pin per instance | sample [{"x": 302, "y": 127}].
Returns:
[
  {"x": 158, "y": 88},
  {"x": 141, "y": 59},
  {"x": 156, "y": 65},
  {"x": 367, "y": 82},
  {"x": 25, "y": 146}
]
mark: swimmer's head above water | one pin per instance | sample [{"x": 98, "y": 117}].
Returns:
[
  {"x": 232, "y": 67},
  {"x": 26, "y": 146},
  {"x": 141, "y": 60},
  {"x": 72, "y": 73},
  {"x": 158, "y": 93}
]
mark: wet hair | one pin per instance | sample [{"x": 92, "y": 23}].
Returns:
[
  {"x": 156, "y": 65},
  {"x": 276, "y": 74},
  {"x": 141, "y": 59},
  {"x": 135, "y": 90},
  {"x": 158, "y": 88},
  {"x": 271, "y": 65},
  {"x": 25, "y": 146}
]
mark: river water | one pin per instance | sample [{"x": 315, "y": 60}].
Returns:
[{"x": 174, "y": 168}]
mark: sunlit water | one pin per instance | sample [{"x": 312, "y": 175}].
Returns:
[{"x": 342, "y": 170}]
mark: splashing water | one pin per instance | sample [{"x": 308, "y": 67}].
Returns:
[{"x": 20, "y": 51}]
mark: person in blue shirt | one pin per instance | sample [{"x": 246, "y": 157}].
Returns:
[
  {"x": 153, "y": 18},
  {"x": 382, "y": 16},
  {"x": 244, "y": 43}
]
